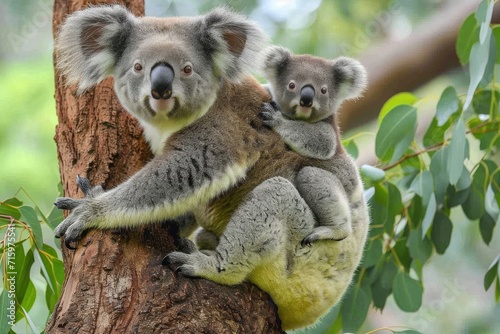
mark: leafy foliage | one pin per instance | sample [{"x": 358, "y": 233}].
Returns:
[
  {"x": 23, "y": 252},
  {"x": 417, "y": 182}
]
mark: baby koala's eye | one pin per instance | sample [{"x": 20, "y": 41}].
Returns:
[
  {"x": 187, "y": 69},
  {"x": 291, "y": 85},
  {"x": 324, "y": 90},
  {"x": 137, "y": 67}
]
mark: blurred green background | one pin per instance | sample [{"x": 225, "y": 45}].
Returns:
[{"x": 454, "y": 300}]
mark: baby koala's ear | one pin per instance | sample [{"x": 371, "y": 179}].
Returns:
[
  {"x": 276, "y": 59},
  {"x": 349, "y": 76}
]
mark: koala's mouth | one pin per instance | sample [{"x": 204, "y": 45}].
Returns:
[
  {"x": 165, "y": 107},
  {"x": 300, "y": 112}
]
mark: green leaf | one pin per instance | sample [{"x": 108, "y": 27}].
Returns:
[
  {"x": 448, "y": 105},
  {"x": 373, "y": 253},
  {"x": 10, "y": 208},
  {"x": 373, "y": 173},
  {"x": 467, "y": 37},
  {"x": 456, "y": 153},
  {"x": 28, "y": 300},
  {"x": 350, "y": 147},
  {"x": 491, "y": 274},
  {"x": 496, "y": 35},
  {"x": 407, "y": 331},
  {"x": 438, "y": 168},
  {"x": 396, "y": 132},
  {"x": 423, "y": 186},
  {"x": 355, "y": 306},
  {"x": 407, "y": 292},
  {"x": 483, "y": 14},
  {"x": 23, "y": 267},
  {"x": 5, "y": 303},
  {"x": 429, "y": 215},
  {"x": 30, "y": 217},
  {"x": 420, "y": 248},
  {"x": 465, "y": 181},
  {"x": 474, "y": 205},
  {"x": 485, "y": 100},
  {"x": 388, "y": 274},
  {"x": 404, "y": 98},
  {"x": 403, "y": 253},
  {"x": 441, "y": 232},
  {"x": 478, "y": 61},
  {"x": 486, "y": 226},
  {"x": 52, "y": 269},
  {"x": 379, "y": 294}
]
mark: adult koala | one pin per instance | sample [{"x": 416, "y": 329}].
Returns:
[{"x": 185, "y": 80}]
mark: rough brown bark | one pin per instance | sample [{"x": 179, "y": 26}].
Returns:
[{"x": 115, "y": 282}]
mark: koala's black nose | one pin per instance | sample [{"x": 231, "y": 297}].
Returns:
[
  {"x": 162, "y": 76},
  {"x": 307, "y": 96}
]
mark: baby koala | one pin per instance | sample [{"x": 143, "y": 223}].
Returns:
[{"x": 308, "y": 91}]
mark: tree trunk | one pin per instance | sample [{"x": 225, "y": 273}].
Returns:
[{"x": 115, "y": 282}]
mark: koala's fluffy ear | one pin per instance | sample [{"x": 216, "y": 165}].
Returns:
[
  {"x": 233, "y": 41},
  {"x": 350, "y": 76},
  {"x": 90, "y": 42},
  {"x": 276, "y": 58}
]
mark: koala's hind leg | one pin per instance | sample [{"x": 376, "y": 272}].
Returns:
[
  {"x": 326, "y": 197},
  {"x": 273, "y": 216}
]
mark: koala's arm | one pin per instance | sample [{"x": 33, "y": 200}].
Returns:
[
  {"x": 182, "y": 179},
  {"x": 313, "y": 140}
]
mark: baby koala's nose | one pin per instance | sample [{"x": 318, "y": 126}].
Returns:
[
  {"x": 307, "y": 96},
  {"x": 162, "y": 76}
]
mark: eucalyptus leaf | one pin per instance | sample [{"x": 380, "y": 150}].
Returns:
[
  {"x": 423, "y": 186},
  {"x": 456, "y": 153},
  {"x": 396, "y": 100},
  {"x": 441, "y": 232},
  {"x": 491, "y": 274},
  {"x": 355, "y": 305},
  {"x": 468, "y": 35},
  {"x": 407, "y": 292},
  {"x": 438, "y": 168},
  {"x": 30, "y": 217},
  {"x": 448, "y": 105},
  {"x": 351, "y": 148},
  {"x": 420, "y": 248},
  {"x": 486, "y": 226},
  {"x": 396, "y": 132},
  {"x": 429, "y": 215},
  {"x": 478, "y": 60}
]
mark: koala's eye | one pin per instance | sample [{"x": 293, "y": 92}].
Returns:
[
  {"x": 291, "y": 85},
  {"x": 137, "y": 67},
  {"x": 187, "y": 69},
  {"x": 324, "y": 90}
]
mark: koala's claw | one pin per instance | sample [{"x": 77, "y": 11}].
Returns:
[
  {"x": 87, "y": 188},
  {"x": 67, "y": 203},
  {"x": 186, "y": 270}
]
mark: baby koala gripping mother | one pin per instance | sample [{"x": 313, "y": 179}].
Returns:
[{"x": 308, "y": 91}]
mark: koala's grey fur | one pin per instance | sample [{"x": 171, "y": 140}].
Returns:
[{"x": 213, "y": 153}]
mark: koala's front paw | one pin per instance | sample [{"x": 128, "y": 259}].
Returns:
[
  {"x": 271, "y": 115},
  {"x": 186, "y": 264},
  {"x": 81, "y": 216}
]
